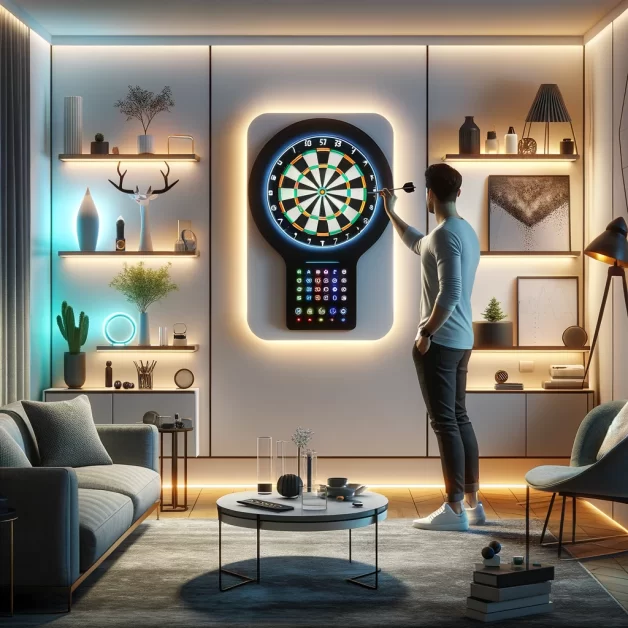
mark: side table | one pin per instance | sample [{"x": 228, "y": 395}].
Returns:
[
  {"x": 9, "y": 517},
  {"x": 174, "y": 505}
]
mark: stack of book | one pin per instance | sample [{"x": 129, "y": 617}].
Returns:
[
  {"x": 507, "y": 592},
  {"x": 566, "y": 376},
  {"x": 508, "y": 386}
]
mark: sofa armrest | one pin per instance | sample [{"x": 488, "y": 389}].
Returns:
[
  {"x": 137, "y": 445},
  {"x": 46, "y": 533}
]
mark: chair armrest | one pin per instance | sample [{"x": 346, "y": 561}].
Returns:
[
  {"x": 46, "y": 533},
  {"x": 137, "y": 445}
]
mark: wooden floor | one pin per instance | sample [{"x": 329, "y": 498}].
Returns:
[{"x": 501, "y": 503}]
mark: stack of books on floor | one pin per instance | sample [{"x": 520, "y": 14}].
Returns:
[
  {"x": 566, "y": 376},
  {"x": 507, "y": 592},
  {"x": 508, "y": 386}
]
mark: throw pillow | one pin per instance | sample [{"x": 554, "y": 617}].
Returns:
[
  {"x": 11, "y": 454},
  {"x": 617, "y": 431},
  {"x": 66, "y": 434}
]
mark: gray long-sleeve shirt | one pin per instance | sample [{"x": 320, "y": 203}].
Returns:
[{"x": 449, "y": 259}]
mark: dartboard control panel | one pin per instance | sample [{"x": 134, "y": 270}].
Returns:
[{"x": 312, "y": 194}]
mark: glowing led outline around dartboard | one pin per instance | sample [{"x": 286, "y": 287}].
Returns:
[{"x": 273, "y": 163}]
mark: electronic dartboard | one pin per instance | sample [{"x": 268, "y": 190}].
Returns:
[{"x": 312, "y": 194}]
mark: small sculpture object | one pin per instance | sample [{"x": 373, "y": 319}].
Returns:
[
  {"x": 117, "y": 384},
  {"x": 490, "y": 554},
  {"x": 527, "y": 146},
  {"x": 145, "y": 373},
  {"x": 108, "y": 375},
  {"x": 115, "y": 150},
  {"x": 289, "y": 485},
  {"x": 501, "y": 377},
  {"x": 120, "y": 240}
]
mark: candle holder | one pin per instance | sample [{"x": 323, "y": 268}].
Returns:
[{"x": 264, "y": 465}]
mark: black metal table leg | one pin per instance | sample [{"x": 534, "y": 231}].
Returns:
[
  {"x": 573, "y": 518},
  {"x": 562, "y": 522},
  {"x": 161, "y": 470},
  {"x": 356, "y": 579},
  {"x": 243, "y": 579},
  {"x": 547, "y": 518},
  {"x": 174, "y": 459},
  {"x": 350, "y": 559},
  {"x": 527, "y": 527}
]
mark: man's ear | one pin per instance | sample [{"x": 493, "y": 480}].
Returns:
[{"x": 458, "y": 195}]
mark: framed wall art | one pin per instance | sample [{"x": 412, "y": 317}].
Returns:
[
  {"x": 546, "y": 306},
  {"x": 529, "y": 213}
]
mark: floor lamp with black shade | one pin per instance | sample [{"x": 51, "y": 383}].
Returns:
[{"x": 610, "y": 247}]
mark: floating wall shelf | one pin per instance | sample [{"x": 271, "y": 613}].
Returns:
[
  {"x": 131, "y": 157},
  {"x": 148, "y": 348},
  {"x": 535, "y": 158},
  {"x": 516, "y": 349},
  {"x": 128, "y": 253},
  {"x": 531, "y": 390},
  {"x": 531, "y": 253}
]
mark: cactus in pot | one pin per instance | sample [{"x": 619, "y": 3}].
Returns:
[
  {"x": 74, "y": 371},
  {"x": 99, "y": 147}
]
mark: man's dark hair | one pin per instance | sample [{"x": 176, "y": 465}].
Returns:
[{"x": 444, "y": 181}]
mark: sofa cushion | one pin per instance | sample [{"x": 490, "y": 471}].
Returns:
[
  {"x": 617, "y": 431},
  {"x": 103, "y": 518},
  {"x": 66, "y": 434},
  {"x": 11, "y": 454},
  {"x": 14, "y": 419},
  {"x": 547, "y": 476},
  {"x": 141, "y": 485}
]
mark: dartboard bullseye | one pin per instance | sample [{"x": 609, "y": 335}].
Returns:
[{"x": 312, "y": 196}]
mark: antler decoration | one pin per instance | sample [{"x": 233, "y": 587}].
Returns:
[
  {"x": 136, "y": 192},
  {"x": 119, "y": 186},
  {"x": 166, "y": 185}
]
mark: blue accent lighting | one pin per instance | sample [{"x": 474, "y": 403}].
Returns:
[{"x": 113, "y": 336}]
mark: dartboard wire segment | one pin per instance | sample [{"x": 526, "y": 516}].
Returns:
[{"x": 318, "y": 191}]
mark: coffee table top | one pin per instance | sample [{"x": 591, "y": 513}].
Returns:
[{"x": 338, "y": 515}]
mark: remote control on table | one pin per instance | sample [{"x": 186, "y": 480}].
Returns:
[{"x": 260, "y": 503}]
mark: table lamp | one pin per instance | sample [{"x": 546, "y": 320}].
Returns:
[{"x": 610, "y": 247}]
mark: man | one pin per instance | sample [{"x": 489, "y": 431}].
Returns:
[{"x": 449, "y": 259}]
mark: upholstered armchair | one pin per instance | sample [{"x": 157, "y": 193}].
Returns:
[{"x": 589, "y": 474}]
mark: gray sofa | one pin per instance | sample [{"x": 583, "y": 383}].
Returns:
[{"x": 69, "y": 520}]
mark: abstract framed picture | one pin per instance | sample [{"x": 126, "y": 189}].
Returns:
[
  {"x": 546, "y": 306},
  {"x": 529, "y": 213}
]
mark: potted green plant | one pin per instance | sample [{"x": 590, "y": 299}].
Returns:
[
  {"x": 74, "y": 359},
  {"x": 493, "y": 332},
  {"x": 143, "y": 286},
  {"x": 144, "y": 105},
  {"x": 99, "y": 147}
]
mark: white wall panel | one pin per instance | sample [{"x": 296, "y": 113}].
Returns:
[{"x": 360, "y": 397}]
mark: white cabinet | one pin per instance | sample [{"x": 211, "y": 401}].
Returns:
[
  {"x": 129, "y": 406},
  {"x": 499, "y": 421},
  {"x": 553, "y": 421}
]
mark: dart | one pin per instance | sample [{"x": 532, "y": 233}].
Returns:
[{"x": 407, "y": 188}]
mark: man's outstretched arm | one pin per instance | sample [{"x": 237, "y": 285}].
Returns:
[{"x": 410, "y": 236}]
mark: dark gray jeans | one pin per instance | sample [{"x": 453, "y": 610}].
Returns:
[{"x": 442, "y": 374}]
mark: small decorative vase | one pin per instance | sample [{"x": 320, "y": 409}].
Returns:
[
  {"x": 145, "y": 144},
  {"x": 74, "y": 371},
  {"x": 567, "y": 146},
  {"x": 73, "y": 125},
  {"x": 144, "y": 335},
  {"x": 469, "y": 137},
  {"x": 289, "y": 485},
  {"x": 87, "y": 224},
  {"x": 146, "y": 242}
]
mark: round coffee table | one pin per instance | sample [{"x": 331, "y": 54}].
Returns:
[{"x": 338, "y": 516}]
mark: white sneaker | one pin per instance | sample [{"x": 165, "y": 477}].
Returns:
[
  {"x": 477, "y": 516},
  {"x": 443, "y": 519}
]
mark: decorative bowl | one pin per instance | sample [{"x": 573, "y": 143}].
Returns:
[
  {"x": 358, "y": 488},
  {"x": 340, "y": 491},
  {"x": 337, "y": 482}
]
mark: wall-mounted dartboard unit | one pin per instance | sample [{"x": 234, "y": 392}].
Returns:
[{"x": 312, "y": 196}]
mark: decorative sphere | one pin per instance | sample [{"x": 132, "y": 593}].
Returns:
[
  {"x": 488, "y": 552},
  {"x": 126, "y": 385},
  {"x": 501, "y": 377},
  {"x": 527, "y": 146},
  {"x": 289, "y": 485},
  {"x": 108, "y": 362},
  {"x": 117, "y": 384},
  {"x": 131, "y": 385},
  {"x": 496, "y": 546}
]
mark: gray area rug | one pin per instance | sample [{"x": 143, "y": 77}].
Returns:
[{"x": 165, "y": 575}]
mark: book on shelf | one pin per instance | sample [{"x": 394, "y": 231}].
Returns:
[
  {"x": 494, "y": 594},
  {"x": 510, "y": 576},
  {"x": 495, "y": 607},
  {"x": 509, "y": 614},
  {"x": 509, "y": 386},
  {"x": 565, "y": 383},
  {"x": 566, "y": 371}
]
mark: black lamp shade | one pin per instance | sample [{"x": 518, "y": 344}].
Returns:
[
  {"x": 611, "y": 246},
  {"x": 548, "y": 106}
]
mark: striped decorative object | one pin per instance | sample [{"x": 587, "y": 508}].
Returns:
[{"x": 73, "y": 125}]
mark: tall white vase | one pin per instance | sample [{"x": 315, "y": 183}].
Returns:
[
  {"x": 146, "y": 242},
  {"x": 73, "y": 125},
  {"x": 144, "y": 335},
  {"x": 145, "y": 144},
  {"x": 87, "y": 223}
]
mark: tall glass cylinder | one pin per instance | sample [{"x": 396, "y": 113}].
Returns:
[
  {"x": 309, "y": 461},
  {"x": 280, "y": 458},
  {"x": 264, "y": 465}
]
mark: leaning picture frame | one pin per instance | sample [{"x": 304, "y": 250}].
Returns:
[
  {"x": 529, "y": 213},
  {"x": 546, "y": 306}
]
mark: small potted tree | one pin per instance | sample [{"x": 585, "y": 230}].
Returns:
[
  {"x": 75, "y": 335},
  {"x": 143, "y": 286},
  {"x": 493, "y": 332},
  {"x": 144, "y": 106}
]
